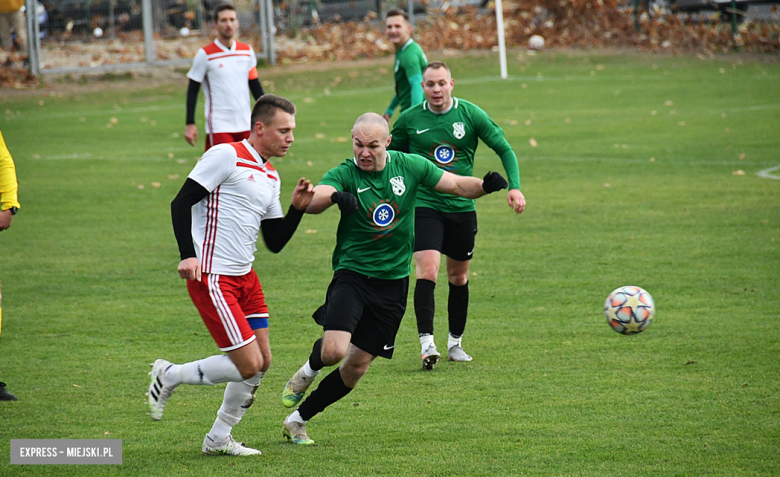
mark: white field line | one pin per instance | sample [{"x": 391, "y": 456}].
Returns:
[{"x": 766, "y": 173}]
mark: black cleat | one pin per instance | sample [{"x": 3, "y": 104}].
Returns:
[{"x": 5, "y": 395}]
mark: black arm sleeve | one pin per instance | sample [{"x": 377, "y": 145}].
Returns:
[
  {"x": 277, "y": 232},
  {"x": 192, "y": 100},
  {"x": 256, "y": 87},
  {"x": 181, "y": 214}
]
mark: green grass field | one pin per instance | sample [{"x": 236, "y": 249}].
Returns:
[{"x": 634, "y": 181}]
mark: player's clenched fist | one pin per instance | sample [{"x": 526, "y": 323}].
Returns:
[{"x": 346, "y": 201}]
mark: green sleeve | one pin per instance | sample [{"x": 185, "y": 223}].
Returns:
[
  {"x": 430, "y": 175},
  {"x": 493, "y": 136},
  {"x": 335, "y": 178},
  {"x": 415, "y": 81},
  {"x": 399, "y": 138},
  {"x": 393, "y": 103}
]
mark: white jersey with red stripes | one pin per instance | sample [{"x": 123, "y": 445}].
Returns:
[
  {"x": 244, "y": 190},
  {"x": 225, "y": 74}
]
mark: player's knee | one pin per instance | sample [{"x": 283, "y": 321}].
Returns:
[
  {"x": 332, "y": 355},
  {"x": 266, "y": 361},
  {"x": 459, "y": 279},
  {"x": 252, "y": 367}
]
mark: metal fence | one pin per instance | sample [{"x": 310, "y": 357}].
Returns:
[
  {"x": 98, "y": 35},
  {"x": 80, "y": 36}
]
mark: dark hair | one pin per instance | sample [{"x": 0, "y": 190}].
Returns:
[
  {"x": 435, "y": 65},
  {"x": 394, "y": 12},
  {"x": 221, "y": 8},
  {"x": 266, "y": 106}
]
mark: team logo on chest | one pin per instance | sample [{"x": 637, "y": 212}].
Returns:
[
  {"x": 384, "y": 216},
  {"x": 444, "y": 154},
  {"x": 398, "y": 185},
  {"x": 458, "y": 130}
]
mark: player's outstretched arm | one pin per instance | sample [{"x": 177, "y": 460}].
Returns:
[
  {"x": 321, "y": 199},
  {"x": 277, "y": 232},
  {"x": 470, "y": 187}
]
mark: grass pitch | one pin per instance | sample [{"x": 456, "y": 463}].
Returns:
[{"x": 637, "y": 169}]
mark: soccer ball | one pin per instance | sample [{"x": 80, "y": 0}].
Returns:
[
  {"x": 629, "y": 310},
  {"x": 536, "y": 42},
  {"x": 98, "y": 32}
]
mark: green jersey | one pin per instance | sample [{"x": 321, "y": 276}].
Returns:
[
  {"x": 378, "y": 239},
  {"x": 410, "y": 61},
  {"x": 449, "y": 140}
]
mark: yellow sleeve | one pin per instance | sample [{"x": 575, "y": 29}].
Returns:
[{"x": 8, "y": 184}]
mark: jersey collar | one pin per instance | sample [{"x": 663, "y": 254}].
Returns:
[
  {"x": 254, "y": 152},
  {"x": 408, "y": 42},
  {"x": 454, "y": 105},
  {"x": 233, "y": 48}
]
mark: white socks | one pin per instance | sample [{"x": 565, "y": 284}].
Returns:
[
  {"x": 452, "y": 341},
  {"x": 211, "y": 370},
  {"x": 295, "y": 417},
  {"x": 426, "y": 341},
  {"x": 308, "y": 372},
  {"x": 239, "y": 396}
]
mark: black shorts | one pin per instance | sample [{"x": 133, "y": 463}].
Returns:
[
  {"x": 449, "y": 233},
  {"x": 369, "y": 308}
]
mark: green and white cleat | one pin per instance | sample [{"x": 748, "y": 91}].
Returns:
[
  {"x": 229, "y": 447},
  {"x": 456, "y": 353},
  {"x": 430, "y": 357},
  {"x": 158, "y": 393},
  {"x": 296, "y": 388},
  {"x": 295, "y": 432}
]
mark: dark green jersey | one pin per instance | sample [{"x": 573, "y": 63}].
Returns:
[
  {"x": 410, "y": 61},
  {"x": 378, "y": 239},
  {"x": 450, "y": 140}
]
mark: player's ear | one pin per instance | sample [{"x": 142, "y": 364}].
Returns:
[{"x": 389, "y": 138}]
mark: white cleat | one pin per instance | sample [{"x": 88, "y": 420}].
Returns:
[
  {"x": 229, "y": 447},
  {"x": 456, "y": 353},
  {"x": 158, "y": 393}
]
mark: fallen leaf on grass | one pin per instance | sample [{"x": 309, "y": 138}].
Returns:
[
  {"x": 738, "y": 172},
  {"x": 533, "y": 142},
  {"x": 742, "y": 156}
]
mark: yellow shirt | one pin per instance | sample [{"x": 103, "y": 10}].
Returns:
[{"x": 8, "y": 184}]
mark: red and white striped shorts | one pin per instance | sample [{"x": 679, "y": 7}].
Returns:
[{"x": 225, "y": 302}]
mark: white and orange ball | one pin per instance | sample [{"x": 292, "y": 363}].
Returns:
[{"x": 629, "y": 310}]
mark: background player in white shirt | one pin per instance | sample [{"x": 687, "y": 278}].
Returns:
[
  {"x": 223, "y": 67},
  {"x": 216, "y": 220}
]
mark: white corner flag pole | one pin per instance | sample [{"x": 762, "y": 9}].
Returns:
[{"x": 501, "y": 42}]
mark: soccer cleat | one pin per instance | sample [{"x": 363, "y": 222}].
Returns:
[
  {"x": 158, "y": 393},
  {"x": 5, "y": 395},
  {"x": 295, "y": 432},
  {"x": 430, "y": 357},
  {"x": 456, "y": 353},
  {"x": 295, "y": 388},
  {"x": 229, "y": 447}
]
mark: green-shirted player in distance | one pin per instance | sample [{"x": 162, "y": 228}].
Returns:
[
  {"x": 376, "y": 191},
  {"x": 446, "y": 131},
  {"x": 410, "y": 61}
]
